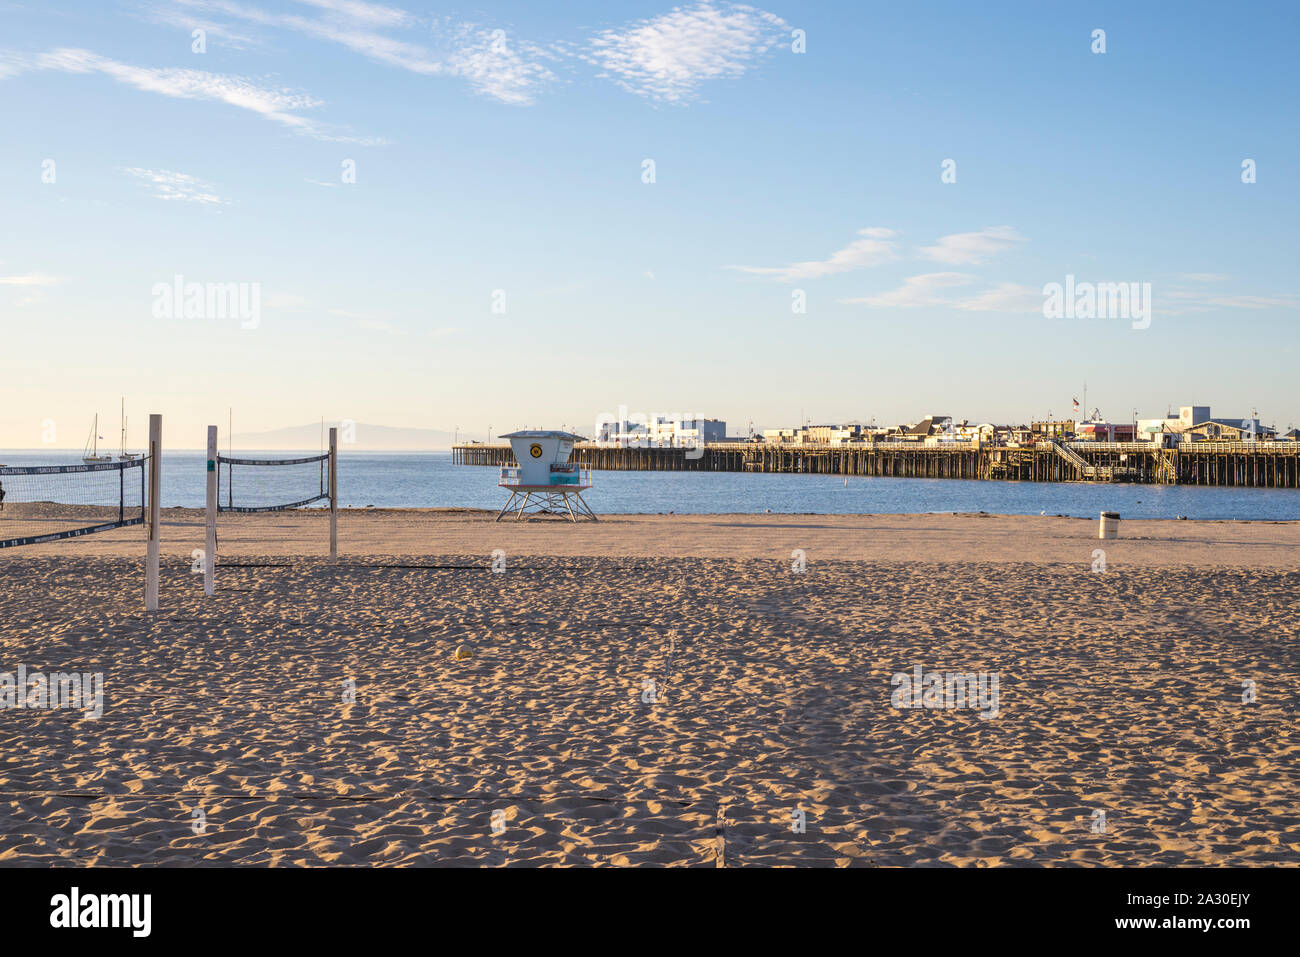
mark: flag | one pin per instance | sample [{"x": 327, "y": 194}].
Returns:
[{"x": 1076, "y": 405}]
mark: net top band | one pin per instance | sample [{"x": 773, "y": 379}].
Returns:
[
  {"x": 314, "y": 458},
  {"x": 62, "y": 469}
]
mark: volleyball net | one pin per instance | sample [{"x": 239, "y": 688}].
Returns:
[
  {"x": 46, "y": 503},
  {"x": 271, "y": 485},
  {"x": 242, "y": 490}
]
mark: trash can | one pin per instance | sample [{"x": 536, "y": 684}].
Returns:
[{"x": 1109, "y": 525}]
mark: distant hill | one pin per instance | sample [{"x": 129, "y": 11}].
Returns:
[{"x": 367, "y": 438}]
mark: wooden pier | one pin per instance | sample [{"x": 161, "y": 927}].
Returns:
[{"x": 1248, "y": 464}]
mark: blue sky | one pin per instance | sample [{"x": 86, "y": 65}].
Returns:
[{"x": 501, "y": 147}]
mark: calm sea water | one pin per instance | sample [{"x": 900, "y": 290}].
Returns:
[{"x": 391, "y": 479}]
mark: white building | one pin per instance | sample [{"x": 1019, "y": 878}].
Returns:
[
  {"x": 695, "y": 432},
  {"x": 1195, "y": 421},
  {"x": 829, "y": 434},
  {"x": 1158, "y": 430},
  {"x": 661, "y": 431}
]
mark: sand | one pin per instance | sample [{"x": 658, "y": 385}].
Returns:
[{"x": 771, "y": 738}]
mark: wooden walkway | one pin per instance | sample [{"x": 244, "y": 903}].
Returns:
[{"x": 1249, "y": 464}]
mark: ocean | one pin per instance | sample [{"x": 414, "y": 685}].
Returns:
[{"x": 429, "y": 479}]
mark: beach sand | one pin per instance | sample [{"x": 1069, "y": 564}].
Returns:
[{"x": 771, "y": 738}]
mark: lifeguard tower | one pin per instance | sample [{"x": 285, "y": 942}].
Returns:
[{"x": 543, "y": 481}]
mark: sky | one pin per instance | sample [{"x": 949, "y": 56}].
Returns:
[{"x": 518, "y": 215}]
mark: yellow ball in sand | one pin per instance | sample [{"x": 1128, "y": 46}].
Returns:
[{"x": 463, "y": 653}]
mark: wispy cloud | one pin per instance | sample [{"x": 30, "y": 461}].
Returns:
[
  {"x": 278, "y": 105},
  {"x": 170, "y": 185},
  {"x": 937, "y": 290},
  {"x": 507, "y": 70},
  {"x": 1228, "y": 301},
  {"x": 1177, "y": 301},
  {"x": 933, "y": 289},
  {"x": 32, "y": 286},
  {"x": 1004, "y": 297},
  {"x": 378, "y": 325},
  {"x": 875, "y": 247},
  {"x": 878, "y": 245},
  {"x": 668, "y": 58},
  {"x": 31, "y": 279},
  {"x": 373, "y": 13},
  {"x": 970, "y": 248},
  {"x": 355, "y": 26},
  {"x": 492, "y": 63},
  {"x": 369, "y": 322},
  {"x": 922, "y": 290},
  {"x": 1255, "y": 302},
  {"x": 177, "y": 15}
]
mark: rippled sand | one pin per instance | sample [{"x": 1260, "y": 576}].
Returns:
[{"x": 1120, "y": 692}]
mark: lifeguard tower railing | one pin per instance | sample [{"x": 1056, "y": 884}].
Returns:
[{"x": 562, "y": 475}]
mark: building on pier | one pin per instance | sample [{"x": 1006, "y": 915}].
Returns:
[
  {"x": 830, "y": 434},
  {"x": 660, "y": 431},
  {"x": 1100, "y": 431},
  {"x": 1229, "y": 430},
  {"x": 930, "y": 425},
  {"x": 1194, "y": 423}
]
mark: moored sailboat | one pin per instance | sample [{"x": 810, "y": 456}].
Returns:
[
  {"x": 91, "y": 453},
  {"x": 124, "y": 455}
]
